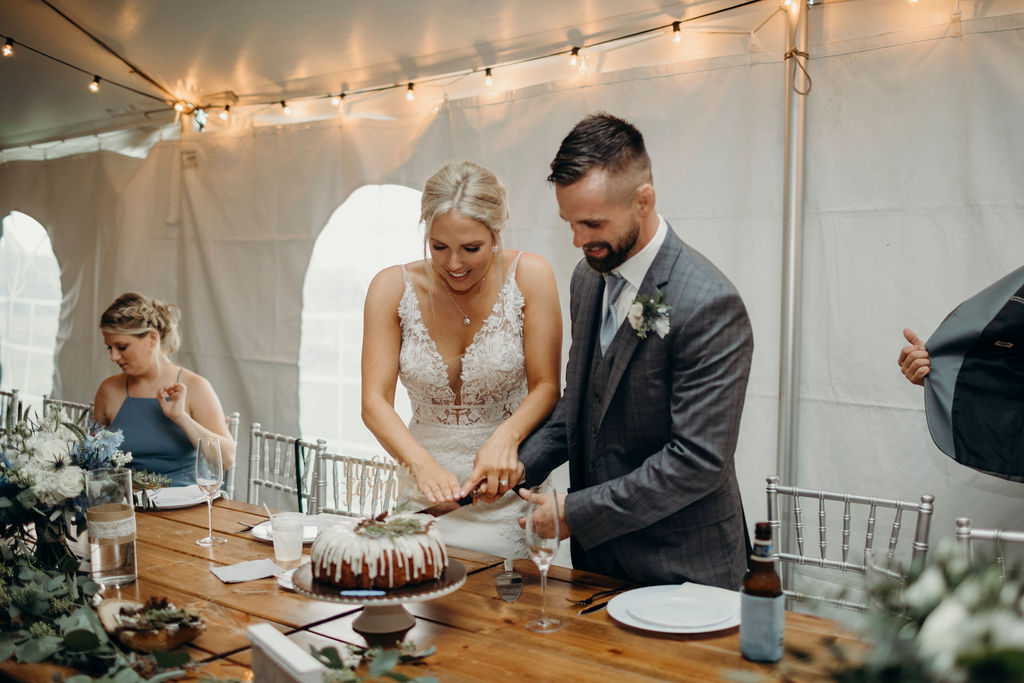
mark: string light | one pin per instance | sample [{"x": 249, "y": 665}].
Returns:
[
  {"x": 488, "y": 79},
  {"x": 226, "y": 111},
  {"x": 574, "y": 57},
  {"x": 409, "y": 93},
  {"x": 179, "y": 107},
  {"x": 8, "y": 49},
  {"x": 287, "y": 110},
  {"x": 676, "y": 33},
  {"x": 95, "y": 85},
  {"x": 336, "y": 99}
]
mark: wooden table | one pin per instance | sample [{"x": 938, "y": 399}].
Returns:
[{"x": 478, "y": 636}]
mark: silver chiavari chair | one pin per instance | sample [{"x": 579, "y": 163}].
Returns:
[
  {"x": 73, "y": 411},
  {"x": 359, "y": 487},
  {"x": 867, "y": 510},
  {"x": 10, "y": 408},
  {"x": 966, "y": 534},
  {"x": 282, "y": 463},
  {"x": 232, "y": 421}
]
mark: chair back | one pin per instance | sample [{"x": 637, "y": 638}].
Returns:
[
  {"x": 282, "y": 463},
  {"x": 77, "y": 413},
  {"x": 850, "y": 506},
  {"x": 10, "y": 408},
  {"x": 275, "y": 659},
  {"x": 965, "y": 534},
  {"x": 357, "y": 487},
  {"x": 229, "y": 477}
]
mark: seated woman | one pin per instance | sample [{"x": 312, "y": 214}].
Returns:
[
  {"x": 474, "y": 332},
  {"x": 162, "y": 408}
]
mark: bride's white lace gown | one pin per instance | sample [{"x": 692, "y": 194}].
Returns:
[{"x": 452, "y": 419}]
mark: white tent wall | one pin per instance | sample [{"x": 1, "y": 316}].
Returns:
[{"x": 912, "y": 203}]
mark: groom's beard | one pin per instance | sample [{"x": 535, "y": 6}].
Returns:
[{"x": 616, "y": 254}]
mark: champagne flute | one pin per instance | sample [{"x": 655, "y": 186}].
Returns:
[
  {"x": 209, "y": 474},
  {"x": 542, "y": 542}
]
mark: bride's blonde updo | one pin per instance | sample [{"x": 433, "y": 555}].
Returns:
[
  {"x": 137, "y": 314},
  {"x": 469, "y": 190}
]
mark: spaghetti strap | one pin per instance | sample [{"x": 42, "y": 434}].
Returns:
[
  {"x": 178, "y": 378},
  {"x": 515, "y": 264},
  {"x": 405, "y": 274},
  {"x": 126, "y": 386}
]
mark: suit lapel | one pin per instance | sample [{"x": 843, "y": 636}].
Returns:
[
  {"x": 625, "y": 343},
  {"x": 588, "y": 294}
]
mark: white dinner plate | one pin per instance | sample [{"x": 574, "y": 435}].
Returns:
[
  {"x": 686, "y": 608},
  {"x": 172, "y": 497},
  {"x": 310, "y": 529}
]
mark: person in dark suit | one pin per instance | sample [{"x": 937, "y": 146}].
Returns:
[{"x": 655, "y": 382}]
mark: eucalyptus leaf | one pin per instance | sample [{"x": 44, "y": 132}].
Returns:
[
  {"x": 384, "y": 662},
  {"x": 126, "y": 676},
  {"x": 396, "y": 676},
  {"x": 328, "y": 656},
  {"x": 81, "y": 640},
  {"x": 5, "y": 502},
  {"x": 169, "y": 660},
  {"x": 38, "y": 649}
]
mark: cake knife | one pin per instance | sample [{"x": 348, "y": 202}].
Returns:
[{"x": 449, "y": 506}]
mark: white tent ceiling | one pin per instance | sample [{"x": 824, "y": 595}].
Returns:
[{"x": 264, "y": 51}]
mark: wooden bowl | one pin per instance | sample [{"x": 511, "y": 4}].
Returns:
[{"x": 159, "y": 640}]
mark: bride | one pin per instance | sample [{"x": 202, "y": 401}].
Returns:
[{"x": 474, "y": 332}]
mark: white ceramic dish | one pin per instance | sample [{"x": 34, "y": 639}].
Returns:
[
  {"x": 173, "y": 497},
  {"x": 310, "y": 528},
  {"x": 686, "y": 608}
]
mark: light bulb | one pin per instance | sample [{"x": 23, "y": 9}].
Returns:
[
  {"x": 8, "y": 49},
  {"x": 488, "y": 79},
  {"x": 409, "y": 94},
  {"x": 336, "y": 99},
  {"x": 287, "y": 110},
  {"x": 224, "y": 114},
  {"x": 95, "y": 85},
  {"x": 676, "y": 33},
  {"x": 178, "y": 106},
  {"x": 574, "y": 57}
]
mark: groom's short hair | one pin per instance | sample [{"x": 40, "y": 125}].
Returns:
[{"x": 601, "y": 141}]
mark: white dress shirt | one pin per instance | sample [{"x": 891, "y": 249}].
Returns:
[{"x": 633, "y": 271}]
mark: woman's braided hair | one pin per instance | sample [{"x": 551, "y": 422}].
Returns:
[{"x": 137, "y": 314}]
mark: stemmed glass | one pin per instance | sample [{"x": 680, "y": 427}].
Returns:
[
  {"x": 542, "y": 542},
  {"x": 209, "y": 474}
]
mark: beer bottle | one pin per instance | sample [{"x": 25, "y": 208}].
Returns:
[{"x": 762, "y": 605}]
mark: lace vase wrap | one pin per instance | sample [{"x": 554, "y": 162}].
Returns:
[
  {"x": 111, "y": 523},
  {"x": 452, "y": 423}
]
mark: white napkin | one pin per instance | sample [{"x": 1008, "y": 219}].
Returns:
[{"x": 247, "y": 571}]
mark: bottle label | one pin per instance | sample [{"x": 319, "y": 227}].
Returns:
[
  {"x": 762, "y": 550},
  {"x": 762, "y": 622}
]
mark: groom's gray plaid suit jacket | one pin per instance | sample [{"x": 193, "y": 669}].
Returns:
[{"x": 653, "y": 495}]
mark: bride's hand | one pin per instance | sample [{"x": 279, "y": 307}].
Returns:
[
  {"x": 436, "y": 483},
  {"x": 496, "y": 468}
]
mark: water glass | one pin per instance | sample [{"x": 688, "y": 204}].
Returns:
[
  {"x": 110, "y": 515},
  {"x": 286, "y": 531},
  {"x": 542, "y": 541},
  {"x": 209, "y": 474}
]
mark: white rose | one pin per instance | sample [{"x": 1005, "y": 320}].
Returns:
[
  {"x": 69, "y": 482},
  {"x": 1006, "y": 631},
  {"x": 941, "y": 634},
  {"x": 46, "y": 448},
  {"x": 636, "y": 315},
  {"x": 925, "y": 593}
]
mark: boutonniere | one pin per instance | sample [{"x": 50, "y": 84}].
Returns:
[{"x": 647, "y": 315}]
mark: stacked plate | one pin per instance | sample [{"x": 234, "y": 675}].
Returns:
[
  {"x": 686, "y": 608},
  {"x": 173, "y": 497},
  {"x": 313, "y": 525}
]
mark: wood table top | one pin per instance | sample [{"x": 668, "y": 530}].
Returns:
[{"x": 478, "y": 636}]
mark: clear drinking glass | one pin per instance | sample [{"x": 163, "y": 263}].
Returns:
[
  {"x": 542, "y": 542},
  {"x": 110, "y": 514},
  {"x": 209, "y": 474}
]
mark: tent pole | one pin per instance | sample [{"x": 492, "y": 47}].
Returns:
[{"x": 792, "y": 230}]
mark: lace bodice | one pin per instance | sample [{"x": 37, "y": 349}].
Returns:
[{"x": 493, "y": 368}]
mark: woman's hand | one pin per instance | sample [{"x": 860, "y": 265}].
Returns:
[
  {"x": 436, "y": 483},
  {"x": 914, "y": 360},
  {"x": 173, "y": 401},
  {"x": 496, "y": 468}
]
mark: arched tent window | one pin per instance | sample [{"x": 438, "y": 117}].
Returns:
[
  {"x": 375, "y": 228},
  {"x": 30, "y": 296}
]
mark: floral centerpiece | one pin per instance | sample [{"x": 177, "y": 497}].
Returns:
[
  {"x": 42, "y": 477},
  {"x": 952, "y": 621}
]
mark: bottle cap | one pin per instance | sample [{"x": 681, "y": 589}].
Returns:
[{"x": 763, "y": 531}]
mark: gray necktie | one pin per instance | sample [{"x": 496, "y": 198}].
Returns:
[{"x": 610, "y": 324}]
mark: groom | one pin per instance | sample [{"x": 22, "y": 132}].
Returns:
[{"x": 654, "y": 391}]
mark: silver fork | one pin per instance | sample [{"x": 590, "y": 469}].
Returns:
[{"x": 599, "y": 594}]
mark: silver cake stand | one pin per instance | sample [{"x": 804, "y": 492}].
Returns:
[{"x": 382, "y": 613}]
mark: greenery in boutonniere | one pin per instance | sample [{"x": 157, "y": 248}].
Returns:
[
  {"x": 648, "y": 315},
  {"x": 954, "y": 621}
]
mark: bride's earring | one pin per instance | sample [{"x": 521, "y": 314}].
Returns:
[{"x": 494, "y": 249}]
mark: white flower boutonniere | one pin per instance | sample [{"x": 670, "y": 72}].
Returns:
[{"x": 649, "y": 315}]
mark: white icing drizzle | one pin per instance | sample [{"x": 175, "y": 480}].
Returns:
[{"x": 340, "y": 545}]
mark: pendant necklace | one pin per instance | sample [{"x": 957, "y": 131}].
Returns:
[{"x": 465, "y": 317}]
